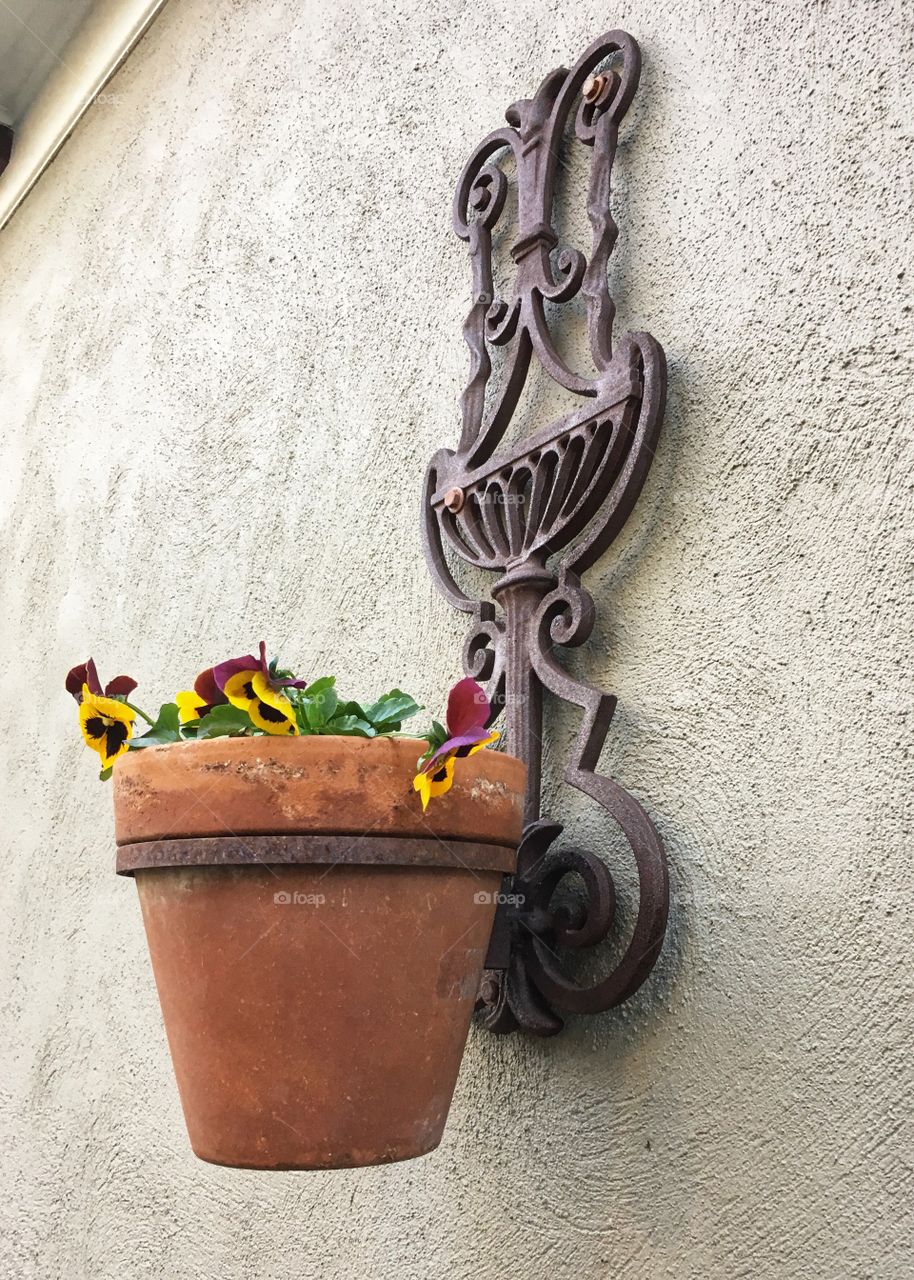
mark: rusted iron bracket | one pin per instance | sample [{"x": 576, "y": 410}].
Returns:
[{"x": 539, "y": 513}]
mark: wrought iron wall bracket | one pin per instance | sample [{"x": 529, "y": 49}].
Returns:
[{"x": 539, "y": 513}]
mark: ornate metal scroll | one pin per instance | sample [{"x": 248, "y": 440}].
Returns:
[{"x": 541, "y": 512}]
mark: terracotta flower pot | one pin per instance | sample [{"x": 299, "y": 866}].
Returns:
[{"x": 317, "y": 940}]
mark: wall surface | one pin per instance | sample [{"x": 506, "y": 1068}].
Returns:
[{"x": 230, "y": 326}]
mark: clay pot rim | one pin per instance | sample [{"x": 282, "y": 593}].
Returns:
[
  {"x": 314, "y": 785},
  {"x": 295, "y": 739}
]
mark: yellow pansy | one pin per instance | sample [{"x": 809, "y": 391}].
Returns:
[
  {"x": 106, "y": 725},
  {"x": 190, "y": 704},
  {"x": 435, "y": 784},
  {"x": 269, "y": 709}
]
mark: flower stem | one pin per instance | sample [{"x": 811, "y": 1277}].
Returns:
[{"x": 148, "y": 719}]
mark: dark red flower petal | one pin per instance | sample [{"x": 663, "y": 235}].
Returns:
[
  {"x": 205, "y": 687},
  {"x": 467, "y": 708},
  {"x": 85, "y": 673},
  {"x": 76, "y": 678},
  {"x": 121, "y": 686}
]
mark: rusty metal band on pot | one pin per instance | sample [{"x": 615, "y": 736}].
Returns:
[{"x": 391, "y": 851}]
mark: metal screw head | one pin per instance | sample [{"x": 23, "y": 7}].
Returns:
[
  {"x": 481, "y": 193},
  {"x": 453, "y": 500},
  {"x": 593, "y": 88},
  {"x": 488, "y": 991}
]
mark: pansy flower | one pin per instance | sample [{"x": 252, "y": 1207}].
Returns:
[
  {"x": 248, "y": 683},
  {"x": 435, "y": 782},
  {"x": 196, "y": 702},
  {"x": 105, "y": 720},
  {"x": 468, "y": 715},
  {"x": 106, "y": 725}
]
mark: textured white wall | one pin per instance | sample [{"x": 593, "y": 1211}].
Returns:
[{"x": 230, "y": 319}]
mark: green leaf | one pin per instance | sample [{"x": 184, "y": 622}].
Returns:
[
  {"x": 297, "y": 698},
  {"x": 317, "y": 686},
  {"x": 223, "y": 722},
  {"x": 391, "y": 709},
  {"x": 105, "y": 774},
  {"x": 321, "y": 708},
  {"x": 437, "y": 735},
  {"x": 349, "y": 726},
  {"x": 316, "y": 705},
  {"x": 167, "y": 728},
  {"x": 351, "y": 709}
]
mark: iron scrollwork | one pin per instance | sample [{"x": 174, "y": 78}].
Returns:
[{"x": 539, "y": 513}]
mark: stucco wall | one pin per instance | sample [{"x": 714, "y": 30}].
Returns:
[{"x": 230, "y": 322}]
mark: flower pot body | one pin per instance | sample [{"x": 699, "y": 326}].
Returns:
[{"x": 317, "y": 941}]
